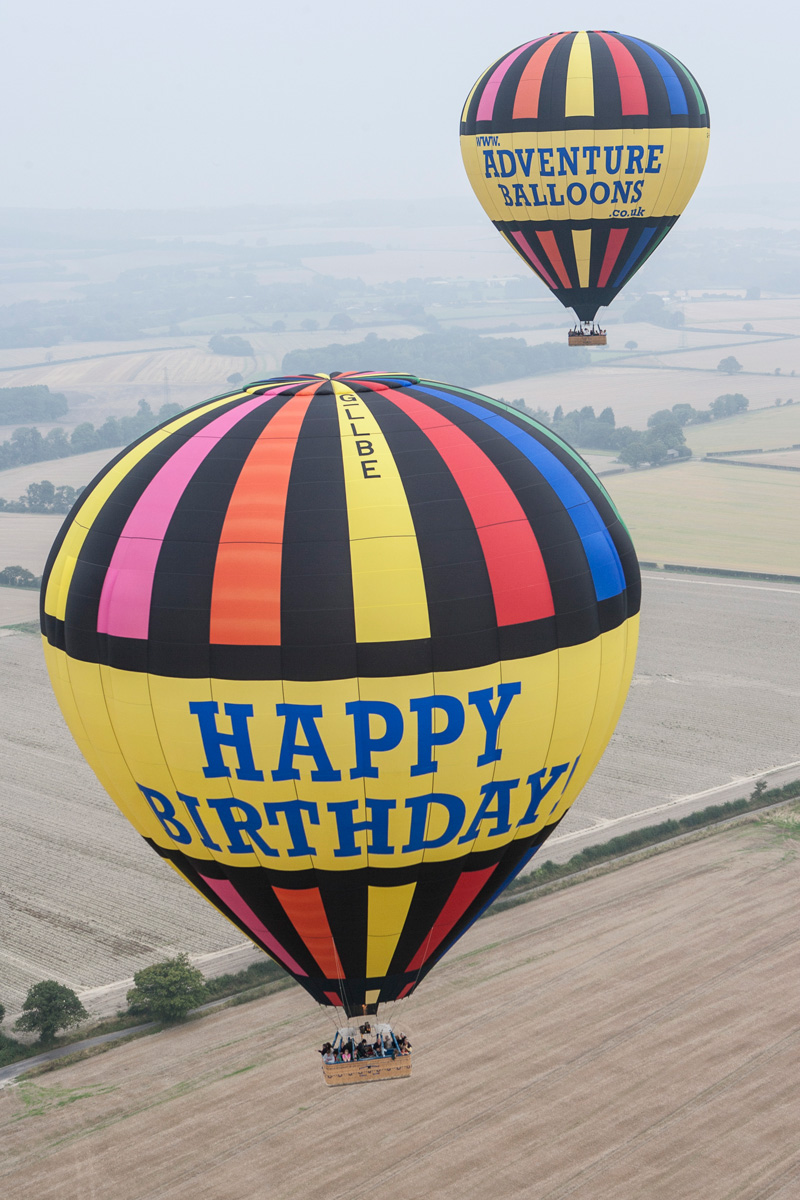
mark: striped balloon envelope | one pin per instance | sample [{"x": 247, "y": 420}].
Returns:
[
  {"x": 584, "y": 148},
  {"x": 344, "y": 649}
]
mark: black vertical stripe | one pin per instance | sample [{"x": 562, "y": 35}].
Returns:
[{"x": 317, "y": 608}]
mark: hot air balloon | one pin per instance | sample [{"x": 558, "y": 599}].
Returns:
[
  {"x": 344, "y": 649},
  {"x": 584, "y": 148}
]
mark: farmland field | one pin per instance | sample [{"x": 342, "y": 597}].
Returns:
[
  {"x": 611, "y": 1041},
  {"x": 762, "y": 430},
  {"x": 715, "y": 698},
  {"x": 704, "y": 514},
  {"x": 25, "y": 540},
  {"x": 76, "y": 471}
]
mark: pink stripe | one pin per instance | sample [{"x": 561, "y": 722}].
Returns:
[
  {"x": 489, "y": 93},
  {"x": 128, "y": 586},
  {"x": 631, "y": 85},
  {"x": 524, "y": 245},
  {"x": 230, "y": 897}
]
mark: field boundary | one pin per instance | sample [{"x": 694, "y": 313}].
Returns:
[
  {"x": 724, "y": 572},
  {"x": 758, "y": 466}
]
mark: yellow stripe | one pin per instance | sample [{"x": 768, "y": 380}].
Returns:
[
  {"x": 582, "y": 243},
  {"x": 388, "y": 584},
  {"x": 386, "y": 915},
  {"x": 58, "y": 584},
  {"x": 580, "y": 87}
]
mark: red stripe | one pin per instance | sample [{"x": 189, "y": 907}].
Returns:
[
  {"x": 468, "y": 885},
  {"x": 523, "y": 242},
  {"x": 304, "y": 908},
  {"x": 550, "y": 246},
  {"x": 520, "y": 587},
  {"x": 526, "y": 98},
  {"x": 246, "y": 593},
  {"x": 616, "y": 239},
  {"x": 402, "y": 995},
  {"x": 334, "y": 999},
  {"x": 631, "y": 85}
]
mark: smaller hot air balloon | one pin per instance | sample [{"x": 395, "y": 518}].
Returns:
[{"x": 584, "y": 148}]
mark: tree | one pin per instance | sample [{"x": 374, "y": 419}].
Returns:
[
  {"x": 341, "y": 320},
  {"x": 309, "y": 324},
  {"x": 48, "y": 1007},
  {"x": 168, "y": 990},
  {"x": 758, "y": 790},
  {"x": 631, "y": 345},
  {"x": 236, "y": 377},
  {"x": 729, "y": 405},
  {"x": 230, "y": 345},
  {"x": 729, "y": 365},
  {"x": 2, "y": 1013},
  {"x": 747, "y": 327}
]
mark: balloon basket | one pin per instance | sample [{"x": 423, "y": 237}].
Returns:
[
  {"x": 366, "y": 1070},
  {"x": 587, "y": 339}
]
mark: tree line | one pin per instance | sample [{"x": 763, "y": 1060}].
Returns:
[
  {"x": 453, "y": 354},
  {"x": 664, "y": 437},
  {"x": 35, "y": 403},
  {"x": 28, "y": 444}
]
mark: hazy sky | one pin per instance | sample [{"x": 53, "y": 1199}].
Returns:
[{"x": 174, "y": 103}]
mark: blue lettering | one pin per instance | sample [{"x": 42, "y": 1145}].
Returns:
[
  {"x": 599, "y": 192},
  {"x": 512, "y": 166},
  {"x": 213, "y": 741},
  {"x": 576, "y": 193},
  {"x": 490, "y": 165},
  {"x": 506, "y": 194},
  {"x": 347, "y": 827},
  {"x": 525, "y": 157},
  {"x": 568, "y": 158},
  {"x": 537, "y": 199},
  {"x": 366, "y": 745},
  {"x": 426, "y": 738},
  {"x": 492, "y": 717},
  {"x": 193, "y": 805},
  {"x": 622, "y": 192},
  {"x": 420, "y": 807},
  {"x": 501, "y": 792},
  {"x": 609, "y": 150},
  {"x": 164, "y": 809},
  {"x": 653, "y": 165},
  {"x": 551, "y": 187},
  {"x": 635, "y": 155},
  {"x": 293, "y": 811},
  {"x": 538, "y": 792},
  {"x": 636, "y": 194},
  {"x": 519, "y": 195},
  {"x": 304, "y": 715},
  {"x": 593, "y": 153},
  {"x": 249, "y": 822},
  {"x": 544, "y": 162}
]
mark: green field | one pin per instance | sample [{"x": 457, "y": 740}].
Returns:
[
  {"x": 702, "y": 514},
  {"x": 762, "y": 429}
]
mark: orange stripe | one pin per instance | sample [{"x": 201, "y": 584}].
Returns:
[
  {"x": 526, "y": 99},
  {"x": 550, "y": 247},
  {"x": 246, "y": 595},
  {"x": 305, "y": 910}
]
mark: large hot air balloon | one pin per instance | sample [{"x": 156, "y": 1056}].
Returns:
[
  {"x": 344, "y": 649},
  {"x": 584, "y": 148}
]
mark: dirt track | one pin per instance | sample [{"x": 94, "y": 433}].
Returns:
[{"x": 632, "y": 1037}]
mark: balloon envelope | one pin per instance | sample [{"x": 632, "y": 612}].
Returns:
[
  {"x": 344, "y": 650},
  {"x": 584, "y": 148}
]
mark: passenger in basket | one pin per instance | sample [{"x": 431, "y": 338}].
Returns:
[
  {"x": 329, "y": 1056},
  {"x": 346, "y": 1055}
]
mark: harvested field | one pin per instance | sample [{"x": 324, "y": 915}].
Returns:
[
  {"x": 715, "y": 698},
  {"x": 705, "y": 514},
  {"x": 612, "y": 1041},
  {"x": 761, "y": 430},
  {"x": 17, "y": 605},
  {"x": 25, "y": 539},
  {"x": 778, "y": 458},
  {"x": 76, "y": 471}
]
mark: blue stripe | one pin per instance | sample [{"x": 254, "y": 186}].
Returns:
[
  {"x": 601, "y": 553},
  {"x": 636, "y": 253},
  {"x": 677, "y": 97}
]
